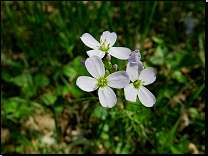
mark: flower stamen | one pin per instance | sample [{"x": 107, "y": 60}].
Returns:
[
  {"x": 102, "y": 82},
  {"x": 103, "y": 47},
  {"x": 137, "y": 84}
]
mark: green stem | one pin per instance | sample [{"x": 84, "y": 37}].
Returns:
[
  {"x": 92, "y": 95},
  {"x": 83, "y": 99},
  {"x": 141, "y": 126},
  {"x": 124, "y": 100},
  {"x": 136, "y": 121},
  {"x": 108, "y": 17},
  {"x": 148, "y": 25},
  {"x": 56, "y": 124}
]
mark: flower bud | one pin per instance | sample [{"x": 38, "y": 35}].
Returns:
[
  {"x": 108, "y": 57},
  {"x": 115, "y": 66},
  {"x": 140, "y": 67},
  {"x": 107, "y": 73},
  {"x": 135, "y": 56},
  {"x": 83, "y": 63}
]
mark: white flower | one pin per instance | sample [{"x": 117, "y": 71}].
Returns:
[
  {"x": 106, "y": 95},
  {"x": 107, "y": 40},
  {"x": 135, "y": 57},
  {"x": 147, "y": 76}
]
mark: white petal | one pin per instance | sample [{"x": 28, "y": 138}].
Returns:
[
  {"x": 110, "y": 38},
  {"x": 146, "y": 97},
  {"x": 130, "y": 93},
  {"x": 95, "y": 66},
  {"x": 90, "y": 41},
  {"x": 135, "y": 56},
  {"x": 119, "y": 79},
  {"x": 122, "y": 53},
  {"x": 147, "y": 75},
  {"x": 107, "y": 97},
  {"x": 86, "y": 83},
  {"x": 96, "y": 52},
  {"x": 132, "y": 70}
]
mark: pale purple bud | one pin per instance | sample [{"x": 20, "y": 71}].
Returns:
[
  {"x": 115, "y": 66},
  {"x": 140, "y": 67},
  {"x": 83, "y": 63},
  {"x": 135, "y": 56},
  {"x": 108, "y": 57}
]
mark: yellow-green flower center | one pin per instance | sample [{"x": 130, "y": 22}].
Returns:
[
  {"x": 102, "y": 82},
  {"x": 137, "y": 83},
  {"x": 103, "y": 47}
]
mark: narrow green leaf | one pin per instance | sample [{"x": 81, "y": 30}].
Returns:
[
  {"x": 175, "y": 150},
  {"x": 194, "y": 96},
  {"x": 157, "y": 40}
]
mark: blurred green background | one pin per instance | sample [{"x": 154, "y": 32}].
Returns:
[{"x": 42, "y": 109}]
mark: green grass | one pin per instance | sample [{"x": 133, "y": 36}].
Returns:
[{"x": 41, "y": 52}]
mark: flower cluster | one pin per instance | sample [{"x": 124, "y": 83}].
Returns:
[{"x": 105, "y": 75}]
